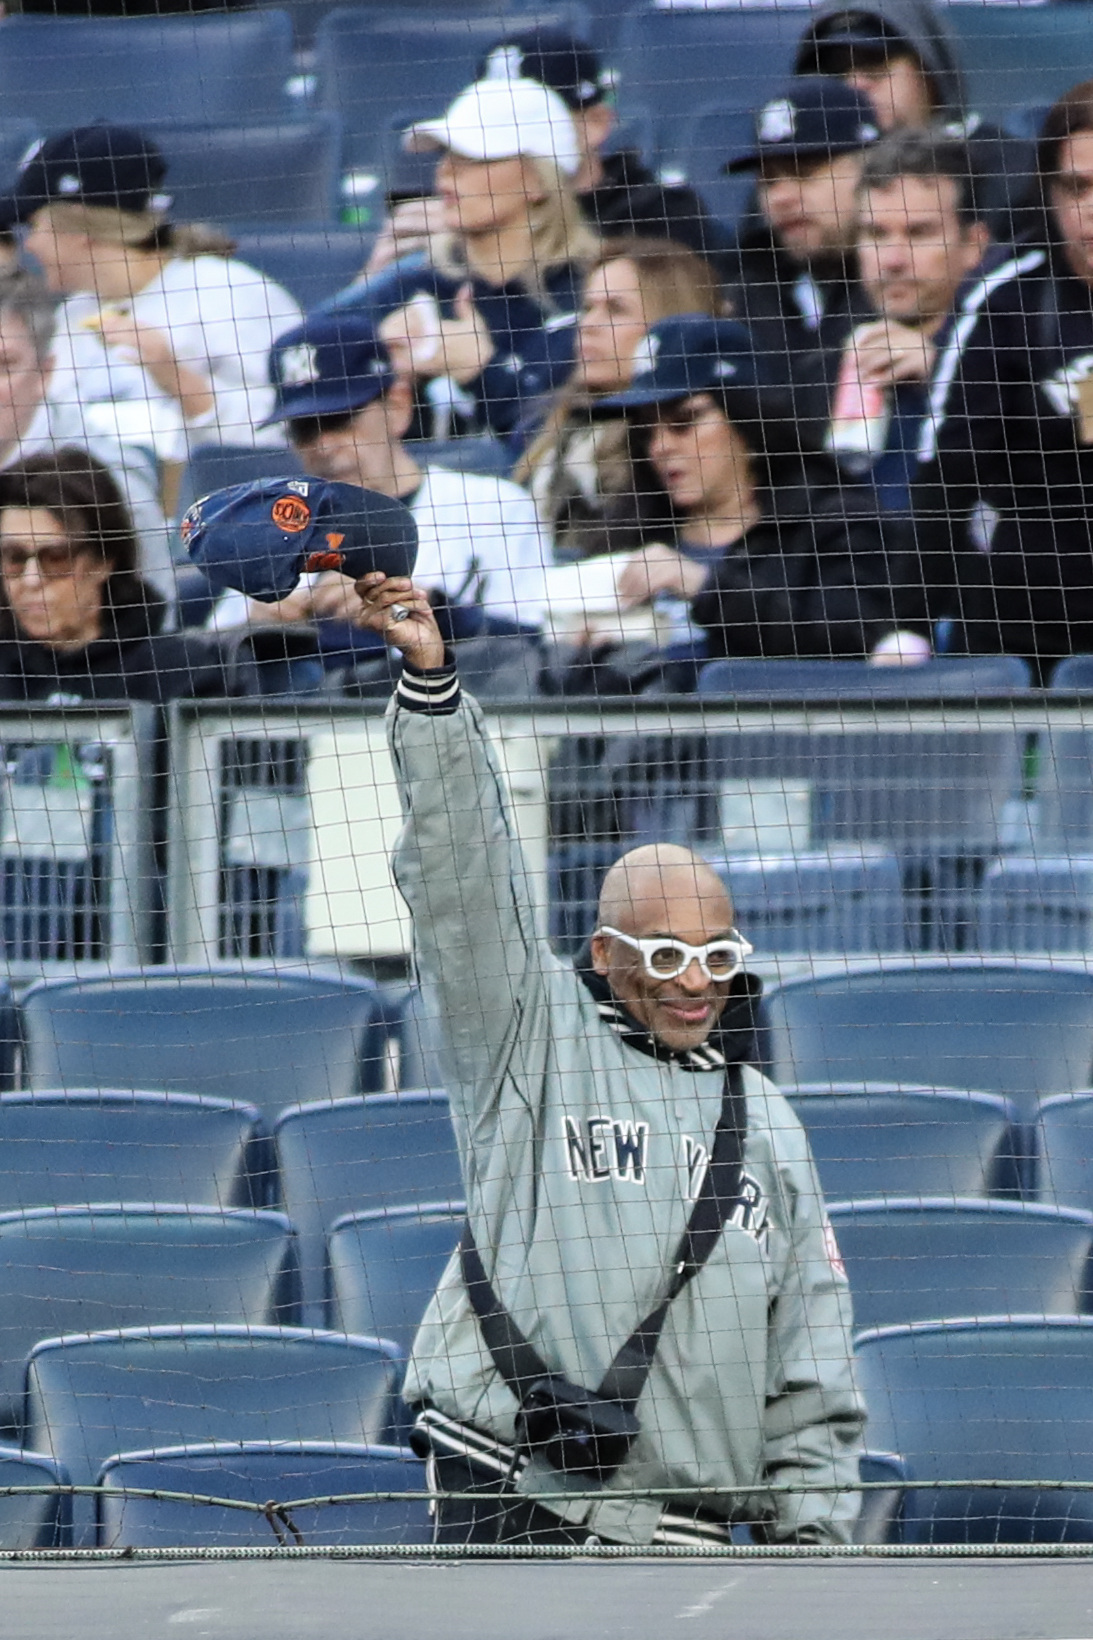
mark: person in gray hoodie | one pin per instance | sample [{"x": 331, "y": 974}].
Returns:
[{"x": 595, "y": 1108}]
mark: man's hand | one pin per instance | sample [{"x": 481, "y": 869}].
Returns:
[
  {"x": 403, "y": 616},
  {"x": 889, "y": 352},
  {"x": 658, "y": 568}
]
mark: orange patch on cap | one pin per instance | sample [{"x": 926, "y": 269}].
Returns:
[{"x": 291, "y": 514}]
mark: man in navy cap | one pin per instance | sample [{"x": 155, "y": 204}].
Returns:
[
  {"x": 618, "y": 194},
  {"x": 794, "y": 281}
]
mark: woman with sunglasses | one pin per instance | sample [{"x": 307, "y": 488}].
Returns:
[{"x": 77, "y": 622}]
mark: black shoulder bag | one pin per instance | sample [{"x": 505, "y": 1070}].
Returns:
[{"x": 589, "y": 1433}]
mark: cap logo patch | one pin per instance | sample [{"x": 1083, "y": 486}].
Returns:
[
  {"x": 189, "y": 525},
  {"x": 332, "y": 559},
  {"x": 867, "y": 132},
  {"x": 291, "y": 514},
  {"x": 298, "y": 486},
  {"x": 67, "y": 183},
  {"x": 299, "y": 365},
  {"x": 645, "y": 354},
  {"x": 32, "y": 153},
  {"x": 506, "y": 63},
  {"x": 777, "y": 121},
  {"x": 724, "y": 367}
]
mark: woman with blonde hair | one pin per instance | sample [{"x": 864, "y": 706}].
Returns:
[
  {"x": 581, "y": 468},
  {"x": 165, "y": 296},
  {"x": 490, "y": 315}
]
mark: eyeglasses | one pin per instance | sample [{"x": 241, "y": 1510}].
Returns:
[
  {"x": 667, "y": 958},
  {"x": 52, "y": 562},
  {"x": 305, "y": 430}
]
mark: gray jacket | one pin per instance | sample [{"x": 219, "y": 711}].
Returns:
[{"x": 581, "y": 1155}]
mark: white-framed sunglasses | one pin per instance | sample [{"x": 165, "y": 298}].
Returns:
[{"x": 667, "y": 958}]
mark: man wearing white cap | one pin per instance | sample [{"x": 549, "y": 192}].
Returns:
[{"x": 490, "y": 317}]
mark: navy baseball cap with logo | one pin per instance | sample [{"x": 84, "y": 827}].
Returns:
[
  {"x": 332, "y": 364},
  {"x": 553, "y": 58},
  {"x": 690, "y": 353},
  {"x": 815, "y": 117},
  {"x": 105, "y": 165},
  {"x": 861, "y": 34},
  {"x": 259, "y": 538}
]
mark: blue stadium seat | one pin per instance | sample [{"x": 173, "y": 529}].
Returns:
[
  {"x": 1032, "y": 904},
  {"x": 1020, "y": 1029},
  {"x": 78, "y": 1146},
  {"x": 831, "y": 900},
  {"x": 16, "y": 136},
  {"x": 29, "y": 1522},
  {"x": 993, "y": 1400},
  {"x": 265, "y": 1037},
  {"x": 896, "y": 1142},
  {"x": 256, "y": 1472},
  {"x": 9, "y": 1037},
  {"x": 924, "y": 1259},
  {"x": 383, "y": 1268},
  {"x": 880, "y": 1518},
  {"x": 352, "y": 1155},
  {"x": 379, "y": 67},
  {"x": 75, "y": 1269},
  {"x": 946, "y": 675},
  {"x": 94, "y": 1396},
  {"x": 417, "y": 1032},
  {"x": 1015, "y": 55},
  {"x": 61, "y": 72},
  {"x": 1064, "y": 1151},
  {"x": 271, "y": 175},
  {"x": 214, "y": 466},
  {"x": 313, "y": 264},
  {"x": 712, "y": 135}
]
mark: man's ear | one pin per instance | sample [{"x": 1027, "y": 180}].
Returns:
[{"x": 599, "y": 955}]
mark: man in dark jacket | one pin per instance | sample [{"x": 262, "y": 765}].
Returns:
[
  {"x": 618, "y": 193},
  {"x": 795, "y": 279}
]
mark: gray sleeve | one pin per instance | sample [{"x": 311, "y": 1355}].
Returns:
[{"x": 462, "y": 873}]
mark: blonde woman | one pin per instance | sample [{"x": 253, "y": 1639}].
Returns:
[
  {"x": 167, "y": 297},
  {"x": 491, "y": 314},
  {"x": 580, "y": 468}
]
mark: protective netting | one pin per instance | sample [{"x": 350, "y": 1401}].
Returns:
[{"x": 546, "y": 779}]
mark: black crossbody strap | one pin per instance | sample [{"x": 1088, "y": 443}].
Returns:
[{"x": 520, "y": 1364}]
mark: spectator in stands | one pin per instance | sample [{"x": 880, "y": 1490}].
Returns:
[
  {"x": 579, "y": 467},
  {"x": 919, "y": 237},
  {"x": 165, "y": 295},
  {"x": 494, "y": 315},
  {"x": 42, "y": 409},
  {"x": 481, "y": 549},
  {"x": 759, "y": 546},
  {"x": 904, "y": 56},
  {"x": 77, "y": 621},
  {"x": 618, "y": 194},
  {"x": 794, "y": 281},
  {"x": 1006, "y": 451}
]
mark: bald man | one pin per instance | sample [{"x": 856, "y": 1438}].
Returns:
[{"x": 645, "y": 1334}]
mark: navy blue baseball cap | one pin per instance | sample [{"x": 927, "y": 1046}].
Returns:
[
  {"x": 260, "y": 538},
  {"x": 815, "y": 117},
  {"x": 332, "y": 364},
  {"x": 553, "y": 58},
  {"x": 689, "y": 353},
  {"x": 103, "y": 165}
]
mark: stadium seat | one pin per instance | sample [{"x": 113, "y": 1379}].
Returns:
[
  {"x": 215, "y": 466},
  {"x": 268, "y": 1038},
  {"x": 94, "y": 1396},
  {"x": 880, "y": 1518},
  {"x": 353, "y": 1155},
  {"x": 993, "y": 1400},
  {"x": 61, "y": 72},
  {"x": 256, "y": 1472},
  {"x": 33, "y": 1522},
  {"x": 1032, "y": 904},
  {"x": 712, "y": 135},
  {"x": 924, "y": 1259},
  {"x": 1016, "y": 55},
  {"x": 947, "y": 675},
  {"x": 380, "y": 67},
  {"x": 895, "y": 1142},
  {"x": 75, "y": 1269},
  {"x": 313, "y": 264},
  {"x": 839, "y": 899},
  {"x": 9, "y": 1037},
  {"x": 73, "y": 1148},
  {"x": 1020, "y": 1029},
  {"x": 417, "y": 1033},
  {"x": 16, "y": 136},
  {"x": 383, "y": 1268},
  {"x": 1063, "y": 1150},
  {"x": 276, "y": 175}
]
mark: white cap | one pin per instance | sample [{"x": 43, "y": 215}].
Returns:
[{"x": 501, "y": 119}]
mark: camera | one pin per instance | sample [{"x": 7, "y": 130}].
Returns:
[{"x": 578, "y": 1432}]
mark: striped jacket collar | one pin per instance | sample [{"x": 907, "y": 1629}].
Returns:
[{"x": 731, "y": 1042}]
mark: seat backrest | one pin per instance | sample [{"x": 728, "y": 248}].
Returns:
[
  {"x": 91, "y": 1397},
  {"x": 1012, "y": 55},
  {"x": 79, "y": 1270},
  {"x": 254, "y": 1472},
  {"x": 1064, "y": 1151},
  {"x": 946, "y": 675},
  {"x": 269, "y": 1038},
  {"x": 285, "y": 173},
  {"x": 923, "y": 1260},
  {"x": 418, "y": 1035},
  {"x": 28, "y": 1522},
  {"x": 63, "y": 72},
  {"x": 313, "y": 264},
  {"x": 713, "y": 134},
  {"x": 384, "y": 1267},
  {"x": 839, "y": 899},
  {"x": 354, "y": 1155},
  {"x": 74, "y": 1147},
  {"x": 910, "y": 1143},
  {"x": 996, "y": 1400},
  {"x": 1020, "y": 1029}
]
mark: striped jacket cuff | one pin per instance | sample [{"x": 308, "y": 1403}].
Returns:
[{"x": 435, "y": 691}]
